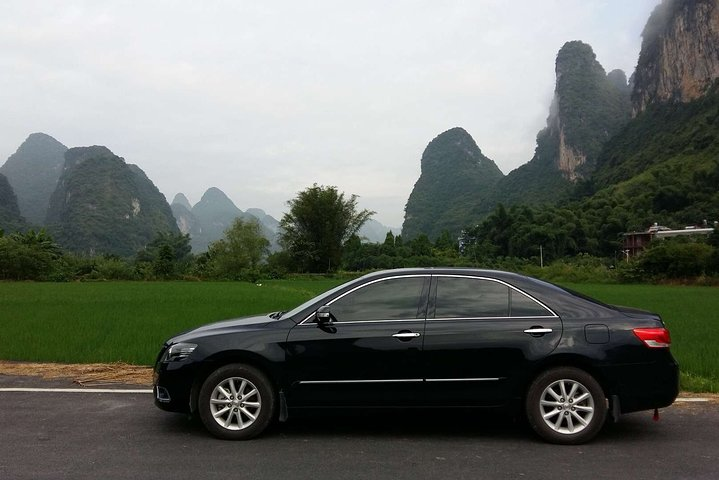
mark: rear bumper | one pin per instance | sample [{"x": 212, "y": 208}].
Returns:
[{"x": 644, "y": 386}]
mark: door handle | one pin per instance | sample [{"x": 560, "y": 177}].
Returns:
[
  {"x": 406, "y": 335},
  {"x": 538, "y": 330}
]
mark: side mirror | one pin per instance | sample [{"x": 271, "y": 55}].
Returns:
[{"x": 323, "y": 316}]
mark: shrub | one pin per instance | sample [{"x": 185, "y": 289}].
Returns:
[{"x": 675, "y": 258}]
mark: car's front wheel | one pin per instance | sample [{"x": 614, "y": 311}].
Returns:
[
  {"x": 236, "y": 402},
  {"x": 566, "y": 405}
]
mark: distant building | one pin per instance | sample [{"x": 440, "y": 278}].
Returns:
[{"x": 635, "y": 242}]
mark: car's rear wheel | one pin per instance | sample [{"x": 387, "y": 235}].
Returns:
[
  {"x": 236, "y": 402},
  {"x": 566, "y": 405}
]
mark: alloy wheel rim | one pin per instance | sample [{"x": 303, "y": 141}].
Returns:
[
  {"x": 566, "y": 406},
  {"x": 235, "y": 403}
]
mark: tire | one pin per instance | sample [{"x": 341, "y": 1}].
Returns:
[
  {"x": 566, "y": 405},
  {"x": 236, "y": 402}
]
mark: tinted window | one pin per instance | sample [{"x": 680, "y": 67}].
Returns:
[
  {"x": 392, "y": 299},
  {"x": 471, "y": 297},
  {"x": 523, "y": 306}
]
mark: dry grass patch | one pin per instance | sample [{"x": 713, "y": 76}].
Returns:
[{"x": 87, "y": 375}]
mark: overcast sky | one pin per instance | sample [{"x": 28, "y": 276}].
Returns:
[{"x": 264, "y": 98}]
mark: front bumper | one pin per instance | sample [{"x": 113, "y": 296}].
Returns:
[{"x": 172, "y": 386}]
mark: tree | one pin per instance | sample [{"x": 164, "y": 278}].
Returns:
[
  {"x": 320, "y": 221},
  {"x": 167, "y": 255},
  {"x": 445, "y": 242},
  {"x": 421, "y": 246},
  {"x": 164, "y": 264},
  {"x": 28, "y": 256},
  {"x": 239, "y": 253}
]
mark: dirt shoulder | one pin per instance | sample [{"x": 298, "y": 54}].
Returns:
[{"x": 86, "y": 375}]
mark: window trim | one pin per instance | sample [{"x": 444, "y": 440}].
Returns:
[
  {"x": 431, "y": 301},
  {"x": 401, "y": 380}
]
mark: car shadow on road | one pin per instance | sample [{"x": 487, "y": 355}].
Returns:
[
  {"x": 419, "y": 424},
  {"x": 405, "y": 423}
]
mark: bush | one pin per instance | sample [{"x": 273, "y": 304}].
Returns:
[
  {"x": 630, "y": 272},
  {"x": 23, "y": 262},
  {"x": 114, "y": 269},
  {"x": 676, "y": 258}
]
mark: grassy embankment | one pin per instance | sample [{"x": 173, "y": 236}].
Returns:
[{"x": 128, "y": 321}]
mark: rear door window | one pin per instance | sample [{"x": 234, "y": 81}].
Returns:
[
  {"x": 472, "y": 297},
  {"x": 460, "y": 297},
  {"x": 523, "y": 306}
]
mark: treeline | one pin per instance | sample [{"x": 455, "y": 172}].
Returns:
[
  {"x": 237, "y": 256},
  {"x": 553, "y": 256},
  {"x": 242, "y": 255}
]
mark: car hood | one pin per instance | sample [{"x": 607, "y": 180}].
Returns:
[{"x": 225, "y": 326}]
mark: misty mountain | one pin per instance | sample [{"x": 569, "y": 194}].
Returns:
[
  {"x": 676, "y": 84},
  {"x": 372, "y": 231},
  {"x": 10, "y": 218},
  {"x": 622, "y": 154},
  {"x": 455, "y": 178},
  {"x": 214, "y": 214},
  {"x": 588, "y": 108},
  {"x": 664, "y": 165},
  {"x": 208, "y": 219},
  {"x": 33, "y": 171},
  {"x": 679, "y": 59},
  {"x": 375, "y": 232},
  {"x": 271, "y": 223},
  {"x": 103, "y": 205},
  {"x": 185, "y": 219},
  {"x": 181, "y": 200}
]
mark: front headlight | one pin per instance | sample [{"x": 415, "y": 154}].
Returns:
[{"x": 179, "y": 351}]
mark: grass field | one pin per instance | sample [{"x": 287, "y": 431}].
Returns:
[
  {"x": 692, "y": 316},
  {"x": 128, "y": 321}
]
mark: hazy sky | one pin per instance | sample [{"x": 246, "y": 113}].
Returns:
[{"x": 264, "y": 98}]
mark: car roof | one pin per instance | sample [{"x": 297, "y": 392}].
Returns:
[{"x": 479, "y": 272}]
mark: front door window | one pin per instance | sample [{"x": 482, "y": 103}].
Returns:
[{"x": 392, "y": 299}]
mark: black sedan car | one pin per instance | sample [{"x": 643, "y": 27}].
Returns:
[{"x": 425, "y": 338}]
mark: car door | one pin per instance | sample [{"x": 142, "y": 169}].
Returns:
[
  {"x": 481, "y": 336},
  {"x": 370, "y": 353}
]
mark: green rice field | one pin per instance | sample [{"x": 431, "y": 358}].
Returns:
[
  {"x": 128, "y": 321},
  {"x": 692, "y": 316}
]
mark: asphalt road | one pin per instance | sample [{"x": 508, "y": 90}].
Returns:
[{"x": 50, "y": 435}]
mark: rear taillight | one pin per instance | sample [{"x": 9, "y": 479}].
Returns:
[{"x": 654, "y": 337}]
